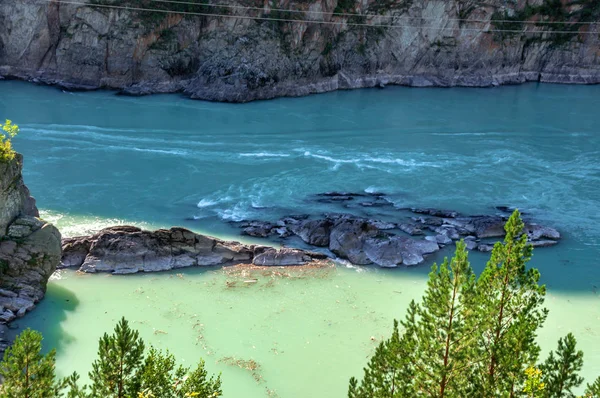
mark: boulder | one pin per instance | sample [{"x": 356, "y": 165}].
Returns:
[
  {"x": 413, "y": 250},
  {"x": 536, "y": 232},
  {"x": 313, "y": 232},
  {"x": 488, "y": 226},
  {"x": 384, "y": 252},
  {"x": 410, "y": 229},
  {"x": 348, "y": 237},
  {"x": 258, "y": 229}
]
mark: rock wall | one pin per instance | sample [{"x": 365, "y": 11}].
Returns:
[
  {"x": 266, "y": 52},
  {"x": 30, "y": 248}
]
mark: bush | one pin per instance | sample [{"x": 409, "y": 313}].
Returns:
[{"x": 8, "y": 130}]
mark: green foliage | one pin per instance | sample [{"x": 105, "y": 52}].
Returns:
[
  {"x": 119, "y": 358},
  {"x": 26, "y": 372},
  {"x": 509, "y": 311},
  {"x": 8, "y": 130},
  {"x": 475, "y": 337},
  {"x": 121, "y": 371},
  {"x": 560, "y": 369},
  {"x": 593, "y": 390}
]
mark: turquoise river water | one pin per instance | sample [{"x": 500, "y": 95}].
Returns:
[{"x": 96, "y": 159}]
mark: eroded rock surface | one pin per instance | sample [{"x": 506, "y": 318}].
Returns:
[
  {"x": 435, "y": 43},
  {"x": 127, "y": 250},
  {"x": 30, "y": 248}
]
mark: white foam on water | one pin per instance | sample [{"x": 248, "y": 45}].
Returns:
[
  {"x": 265, "y": 155},
  {"x": 207, "y": 203},
  {"x": 71, "y": 225}
]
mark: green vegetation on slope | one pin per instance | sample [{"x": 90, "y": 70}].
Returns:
[
  {"x": 566, "y": 17},
  {"x": 8, "y": 130},
  {"x": 476, "y": 337},
  {"x": 122, "y": 370}
]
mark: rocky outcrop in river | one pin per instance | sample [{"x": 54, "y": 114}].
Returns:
[
  {"x": 30, "y": 248},
  {"x": 399, "y": 239},
  {"x": 127, "y": 250},
  {"x": 242, "y": 51}
]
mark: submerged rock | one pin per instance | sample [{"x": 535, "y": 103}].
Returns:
[
  {"x": 364, "y": 241},
  {"x": 127, "y": 249}
]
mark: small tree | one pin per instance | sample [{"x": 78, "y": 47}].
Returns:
[
  {"x": 593, "y": 390},
  {"x": 119, "y": 359},
  {"x": 560, "y": 370},
  {"x": 510, "y": 312},
  {"x": 26, "y": 372},
  {"x": 8, "y": 130}
]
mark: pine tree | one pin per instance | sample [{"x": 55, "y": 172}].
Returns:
[
  {"x": 26, "y": 372},
  {"x": 432, "y": 356},
  {"x": 560, "y": 371},
  {"x": 120, "y": 356},
  {"x": 445, "y": 339},
  {"x": 390, "y": 371},
  {"x": 158, "y": 374},
  {"x": 510, "y": 312},
  {"x": 197, "y": 384},
  {"x": 593, "y": 390}
]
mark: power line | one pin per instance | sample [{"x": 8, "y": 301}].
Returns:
[
  {"x": 348, "y": 14},
  {"x": 391, "y": 26}
]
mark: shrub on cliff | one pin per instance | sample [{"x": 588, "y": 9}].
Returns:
[
  {"x": 475, "y": 337},
  {"x": 8, "y": 130},
  {"x": 121, "y": 371}
]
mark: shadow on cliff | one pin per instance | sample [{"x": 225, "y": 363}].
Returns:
[{"x": 48, "y": 317}]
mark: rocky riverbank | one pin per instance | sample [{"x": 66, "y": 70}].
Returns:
[
  {"x": 235, "y": 53},
  {"x": 405, "y": 237},
  {"x": 127, "y": 250},
  {"x": 29, "y": 247}
]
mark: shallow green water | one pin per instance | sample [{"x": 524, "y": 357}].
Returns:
[{"x": 95, "y": 159}]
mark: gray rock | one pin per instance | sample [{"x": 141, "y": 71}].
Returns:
[
  {"x": 410, "y": 229},
  {"x": 413, "y": 250},
  {"x": 313, "y": 232},
  {"x": 384, "y": 252},
  {"x": 383, "y": 225},
  {"x": 285, "y": 256},
  {"x": 257, "y": 231},
  {"x": 127, "y": 250},
  {"x": 488, "y": 226},
  {"x": 536, "y": 232},
  {"x": 29, "y": 247},
  {"x": 80, "y": 46},
  {"x": 485, "y": 247},
  {"x": 436, "y": 212},
  {"x": 543, "y": 243},
  {"x": 470, "y": 244},
  {"x": 348, "y": 237}
]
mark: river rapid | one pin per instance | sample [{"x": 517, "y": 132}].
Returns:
[{"x": 94, "y": 159}]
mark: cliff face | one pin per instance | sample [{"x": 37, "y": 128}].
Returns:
[
  {"x": 30, "y": 248},
  {"x": 434, "y": 43}
]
